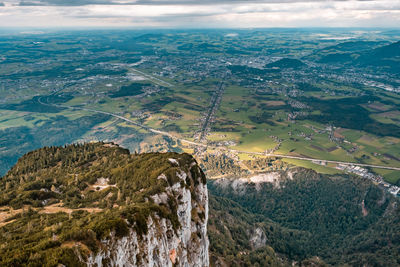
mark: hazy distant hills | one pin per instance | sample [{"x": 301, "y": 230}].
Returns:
[
  {"x": 341, "y": 51},
  {"x": 353, "y": 46},
  {"x": 387, "y": 57},
  {"x": 363, "y": 54}
]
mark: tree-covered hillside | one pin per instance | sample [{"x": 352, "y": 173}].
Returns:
[
  {"x": 339, "y": 219},
  {"x": 58, "y": 203}
]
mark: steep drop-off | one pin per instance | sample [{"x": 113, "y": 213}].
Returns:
[
  {"x": 98, "y": 205},
  {"x": 301, "y": 218}
]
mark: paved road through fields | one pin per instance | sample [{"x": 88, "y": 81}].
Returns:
[{"x": 204, "y": 145}]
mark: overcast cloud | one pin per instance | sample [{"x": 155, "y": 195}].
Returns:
[{"x": 200, "y": 13}]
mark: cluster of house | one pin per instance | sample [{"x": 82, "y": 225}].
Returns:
[{"x": 393, "y": 189}]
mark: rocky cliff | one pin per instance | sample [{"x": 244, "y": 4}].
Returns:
[
  {"x": 98, "y": 205},
  {"x": 163, "y": 245}
]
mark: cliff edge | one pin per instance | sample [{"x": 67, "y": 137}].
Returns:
[{"x": 98, "y": 205}]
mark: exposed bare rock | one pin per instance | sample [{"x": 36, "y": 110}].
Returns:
[{"x": 257, "y": 239}]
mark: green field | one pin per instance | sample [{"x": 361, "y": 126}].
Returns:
[{"x": 170, "y": 81}]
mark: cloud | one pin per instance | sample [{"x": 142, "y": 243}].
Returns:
[
  {"x": 159, "y": 2},
  {"x": 198, "y": 14},
  {"x": 65, "y": 3}
]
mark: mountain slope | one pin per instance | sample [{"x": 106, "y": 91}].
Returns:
[
  {"x": 342, "y": 51},
  {"x": 304, "y": 217},
  {"x": 386, "y": 57},
  {"x": 97, "y": 205}
]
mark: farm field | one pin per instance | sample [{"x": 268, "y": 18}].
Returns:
[{"x": 193, "y": 88}]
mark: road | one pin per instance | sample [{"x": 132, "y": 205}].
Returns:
[
  {"x": 216, "y": 99},
  {"x": 155, "y": 131},
  {"x": 152, "y": 78},
  {"x": 224, "y": 148}
]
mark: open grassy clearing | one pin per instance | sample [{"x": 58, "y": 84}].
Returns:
[
  {"x": 313, "y": 166},
  {"x": 390, "y": 176},
  {"x": 255, "y": 141}
]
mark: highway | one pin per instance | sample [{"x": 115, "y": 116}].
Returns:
[{"x": 155, "y": 131}]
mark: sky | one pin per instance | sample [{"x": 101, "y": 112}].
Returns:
[{"x": 200, "y": 13}]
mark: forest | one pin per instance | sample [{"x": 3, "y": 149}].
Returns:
[
  {"x": 339, "y": 219},
  {"x": 54, "y": 197}
]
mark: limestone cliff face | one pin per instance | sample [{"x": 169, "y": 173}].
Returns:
[
  {"x": 98, "y": 205},
  {"x": 164, "y": 244}
]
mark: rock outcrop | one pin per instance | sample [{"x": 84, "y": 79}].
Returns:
[
  {"x": 257, "y": 239},
  {"x": 98, "y": 205},
  {"x": 163, "y": 245}
]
